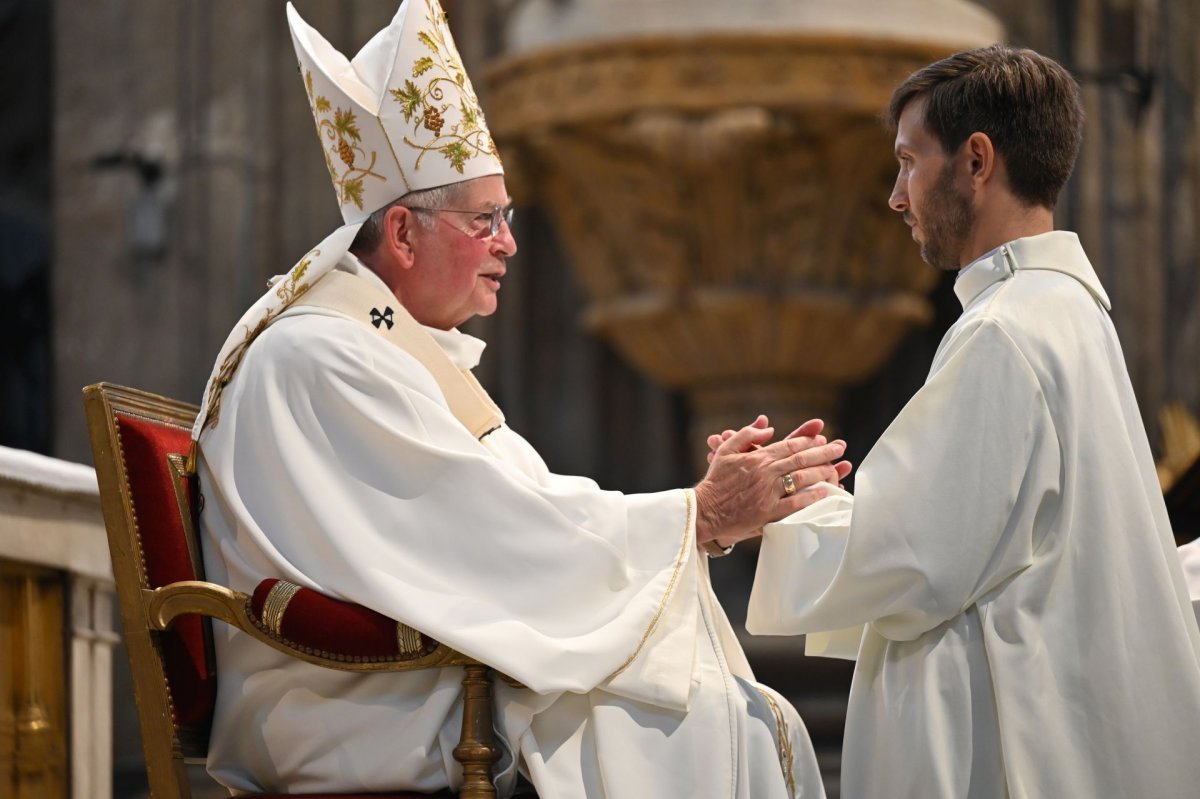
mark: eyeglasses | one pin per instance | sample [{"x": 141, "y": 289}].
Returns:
[{"x": 493, "y": 217}]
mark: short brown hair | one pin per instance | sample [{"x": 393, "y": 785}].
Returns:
[{"x": 1026, "y": 103}]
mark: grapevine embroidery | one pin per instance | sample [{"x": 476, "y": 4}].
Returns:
[
  {"x": 344, "y": 141},
  {"x": 425, "y": 108},
  {"x": 287, "y": 290}
]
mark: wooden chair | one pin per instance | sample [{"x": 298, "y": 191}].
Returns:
[{"x": 140, "y": 443}]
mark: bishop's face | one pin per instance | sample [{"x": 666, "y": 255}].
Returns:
[
  {"x": 458, "y": 266},
  {"x": 927, "y": 193}
]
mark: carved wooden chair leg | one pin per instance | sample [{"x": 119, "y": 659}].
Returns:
[{"x": 477, "y": 749}]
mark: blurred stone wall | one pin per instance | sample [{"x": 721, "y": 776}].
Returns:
[
  {"x": 26, "y": 101},
  {"x": 186, "y": 172}
]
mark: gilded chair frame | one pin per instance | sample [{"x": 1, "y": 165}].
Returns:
[{"x": 146, "y": 611}]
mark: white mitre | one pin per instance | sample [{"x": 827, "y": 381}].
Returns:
[{"x": 400, "y": 117}]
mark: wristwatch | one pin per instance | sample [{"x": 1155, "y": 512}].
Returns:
[{"x": 715, "y": 550}]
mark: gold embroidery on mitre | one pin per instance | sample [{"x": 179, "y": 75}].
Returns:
[
  {"x": 343, "y": 142},
  {"x": 425, "y": 104},
  {"x": 288, "y": 289}
]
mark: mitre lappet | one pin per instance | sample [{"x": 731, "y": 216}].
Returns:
[{"x": 401, "y": 116}]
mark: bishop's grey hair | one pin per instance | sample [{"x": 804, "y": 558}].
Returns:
[{"x": 371, "y": 233}]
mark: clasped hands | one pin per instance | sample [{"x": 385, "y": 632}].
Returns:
[{"x": 744, "y": 486}]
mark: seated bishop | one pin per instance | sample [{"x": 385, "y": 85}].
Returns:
[{"x": 344, "y": 446}]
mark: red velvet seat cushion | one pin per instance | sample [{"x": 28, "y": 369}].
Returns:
[
  {"x": 145, "y": 445},
  {"x": 343, "y": 630}
]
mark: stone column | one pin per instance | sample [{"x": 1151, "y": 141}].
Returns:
[{"x": 92, "y": 642}]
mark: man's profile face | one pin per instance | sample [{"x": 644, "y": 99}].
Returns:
[
  {"x": 458, "y": 267},
  {"x": 927, "y": 194}
]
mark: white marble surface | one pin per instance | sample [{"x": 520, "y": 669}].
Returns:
[
  {"x": 20, "y": 467},
  {"x": 50, "y": 515}
]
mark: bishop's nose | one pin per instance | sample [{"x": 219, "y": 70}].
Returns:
[{"x": 504, "y": 242}]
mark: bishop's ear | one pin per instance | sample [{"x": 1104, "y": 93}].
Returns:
[{"x": 400, "y": 229}]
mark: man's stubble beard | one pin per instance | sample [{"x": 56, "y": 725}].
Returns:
[{"x": 947, "y": 220}]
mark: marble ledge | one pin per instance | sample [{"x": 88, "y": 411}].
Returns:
[{"x": 50, "y": 515}]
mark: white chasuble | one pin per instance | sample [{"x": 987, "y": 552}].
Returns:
[
  {"x": 337, "y": 464},
  {"x": 1027, "y": 630}
]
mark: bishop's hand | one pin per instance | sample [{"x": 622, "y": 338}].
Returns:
[{"x": 745, "y": 486}]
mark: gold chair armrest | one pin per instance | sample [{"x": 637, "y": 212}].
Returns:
[{"x": 164, "y": 605}]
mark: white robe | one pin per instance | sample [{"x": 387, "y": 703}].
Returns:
[
  {"x": 1028, "y": 633},
  {"x": 1189, "y": 557},
  {"x": 337, "y": 465}
]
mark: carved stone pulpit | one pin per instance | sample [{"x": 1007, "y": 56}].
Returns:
[{"x": 719, "y": 176}]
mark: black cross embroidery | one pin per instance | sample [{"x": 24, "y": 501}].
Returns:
[{"x": 384, "y": 318}]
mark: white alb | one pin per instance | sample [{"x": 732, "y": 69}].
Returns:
[{"x": 1027, "y": 630}]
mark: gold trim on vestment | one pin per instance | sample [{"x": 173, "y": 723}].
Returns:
[
  {"x": 662, "y": 605},
  {"x": 276, "y": 605},
  {"x": 786, "y": 761},
  {"x": 287, "y": 290}
]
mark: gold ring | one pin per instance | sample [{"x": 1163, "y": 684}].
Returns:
[{"x": 789, "y": 484}]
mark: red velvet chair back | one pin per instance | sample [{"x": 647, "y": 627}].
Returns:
[
  {"x": 141, "y": 459},
  {"x": 162, "y": 497}
]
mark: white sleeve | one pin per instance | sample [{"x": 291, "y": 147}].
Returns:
[{"x": 943, "y": 510}]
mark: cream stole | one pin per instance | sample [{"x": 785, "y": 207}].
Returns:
[{"x": 383, "y": 313}]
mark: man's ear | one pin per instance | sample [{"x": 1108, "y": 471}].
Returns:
[
  {"x": 980, "y": 156},
  {"x": 399, "y": 225}
]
